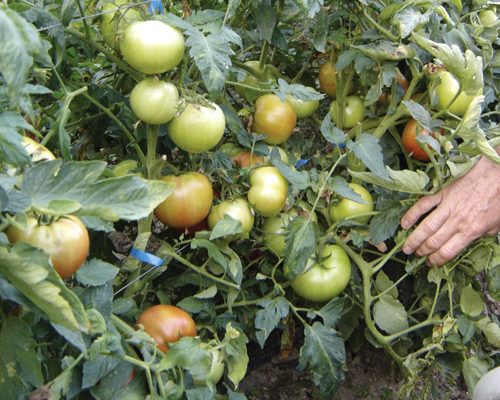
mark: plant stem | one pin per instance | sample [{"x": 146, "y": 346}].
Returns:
[{"x": 380, "y": 28}]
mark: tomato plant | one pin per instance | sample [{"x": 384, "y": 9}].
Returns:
[
  {"x": 325, "y": 277},
  {"x": 238, "y": 209},
  {"x": 189, "y": 203},
  {"x": 268, "y": 191},
  {"x": 352, "y": 113},
  {"x": 36, "y": 151},
  {"x": 258, "y": 78},
  {"x": 443, "y": 89},
  {"x": 488, "y": 17},
  {"x": 274, "y": 118},
  {"x": 197, "y": 128},
  {"x": 349, "y": 209},
  {"x": 246, "y": 158},
  {"x": 154, "y": 102},
  {"x": 328, "y": 79},
  {"x": 166, "y": 324},
  {"x": 152, "y": 47},
  {"x": 65, "y": 240},
  {"x": 303, "y": 108}
]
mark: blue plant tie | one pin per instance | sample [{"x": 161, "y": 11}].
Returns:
[
  {"x": 146, "y": 257},
  {"x": 156, "y": 7},
  {"x": 300, "y": 163}
]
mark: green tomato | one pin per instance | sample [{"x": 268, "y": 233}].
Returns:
[
  {"x": 117, "y": 14},
  {"x": 354, "y": 112},
  {"x": 349, "y": 209},
  {"x": 197, "y": 128},
  {"x": 239, "y": 209},
  {"x": 275, "y": 229},
  {"x": 303, "y": 108},
  {"x": 325, "y": 277},
  {"x": 488, "y": 17},
  {"x": 152, "y": 47},
  {"x": 268, "y": 191},
  {"x": 154, "y": 102},
  {"x": 444, "y": 87}
]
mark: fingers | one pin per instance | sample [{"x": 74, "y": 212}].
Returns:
[
  {"x": 449, "y": 250},
  {"x": 421, "y": 207},
  {"x": 426, "y": 230}
]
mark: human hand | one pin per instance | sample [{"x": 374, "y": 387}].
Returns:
[{"x": 463, "y": 211}]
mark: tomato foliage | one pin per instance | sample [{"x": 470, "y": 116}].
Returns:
[{"x": 250, "y": 163}]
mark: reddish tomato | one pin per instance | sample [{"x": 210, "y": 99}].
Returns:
[
  {"x": 246, "y": 159},
  {"x": 411, "y": 131},
  {"x": 328, "y": 79},
  {"x": 65, "y": 240},
  {"x": 166, "y": 324},
  {"x": 274, "y": 118},
  {"x": 189, "y": 203}
]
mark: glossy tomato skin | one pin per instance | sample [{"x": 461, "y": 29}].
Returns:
[
  {"x": 274, "y": 118},
  {"x": 238, "y": 209},
  {"x": 303, "y": 108},
  {"x": 246, "y": 159},
  {"x": 65, "y": 240},
  {"x": 347, "y": 208},
  {"x": 152, "y": 47},
  {"x": 166, "y": 324},
  {"x": 268, "y": 191},
  {"x": 354, "y": 112},
  {"x": 444, "y": 86},
  {"x": 197, "y": 128},
  {"x": 410, "y": 132},
  {"x": 325, "y": 277},
  {"x": 189, "y": 203},
  {"x": 154, "y": 101},
  {"x": 36, "y": 151},
  {"x": 113, "y": 21}
]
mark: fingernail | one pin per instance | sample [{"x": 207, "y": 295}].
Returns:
[
  {"x": 405, "y": 224},
  {"x": 407, "y": 250}
]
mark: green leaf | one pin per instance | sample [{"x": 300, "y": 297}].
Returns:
[
  {"x": 300, "y": 92},
  {"x": 227, "y": 226},
  {"x": 208, "y": 293},
  {"x": 368, "y": 150},
  {"x": 422, "y": 115},
  {"x": 390, "y": 315},
  {"x": 408, "y": 19},
  {"x": 267, "y": 319},
  {"x": 300, "y": 243},
  {"x": 491, "y": 330},
  {"x": 467, "y": 67},
  {"x": 200, "y": 393},
  {"x": 50, "y": 184},
  {"x": 188, "y": 354},
  {"x": 323, "y": 353},
  {"x": 235, "y": 354},
  {"x": 266, "y": 19},
  {"x": 330, "y": 132},
  {"x": 29, "y": 271},
  {"x": 20, "y": 369},
  {"x": 11, "y": 145},
  {"x": 209, "y": 43},
  {"x": 332, "y": 311},
  {"x": 383, "y": 282},
  {"x": 20, "y": 43},
  {"x": 298, "y": 179},
  {"x": 385, "y": 223},
  {"x": 75, "y": 338},
  {"x": 471, "y": 302},
  {"x": 102, "y": 359},
  {"x": 340, "y": 186},
  {"x": 402, "y": 181},
  {"x": 96, "y": 273},
  {"x": 494, "y": 282},
  {"x": 473, "y": 369},
  {"x": 385, "y": 50},
  {"x": 320, "y": 32}
]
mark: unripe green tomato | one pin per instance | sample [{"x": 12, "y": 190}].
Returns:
[
  {"x": 444, "y": 87},
  {"x": 325, "y": 277},
  {"x": 354, "y": 112},
  {"x": 275, "y": 229},
  {"x": 303, "y": 108},
  {"x": 152, "y": 47},
  {"x": 347, "y": 208},
  {"x": 154, "y": 102},
  {"x": 239, "y": 209},
  {"x": 488, "y": 17},
  {"x": 113, "y": 21},
  {"x": 268, "y": 191},
  {"x": 197, "y": 128}
]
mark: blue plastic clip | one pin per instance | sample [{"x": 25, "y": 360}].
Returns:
[
  {"x": 156, "y": 7},
  {"x": 146, "y": 257}
]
